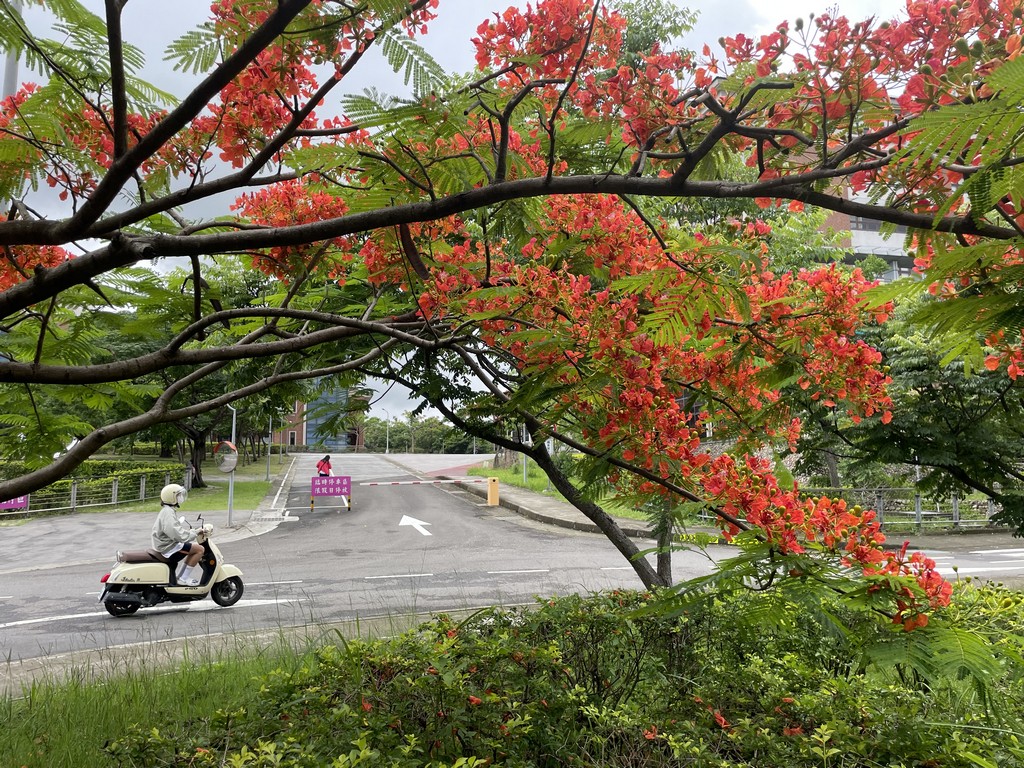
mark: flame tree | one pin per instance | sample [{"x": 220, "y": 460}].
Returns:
[{"x": 507, "y": 243}]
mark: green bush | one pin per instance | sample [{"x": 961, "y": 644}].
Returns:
[{"x": 605, "y": 681}]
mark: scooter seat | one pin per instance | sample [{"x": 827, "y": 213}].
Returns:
[{"x": 143, "y": 556}]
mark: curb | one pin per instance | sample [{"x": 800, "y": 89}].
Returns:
[{"x": 631, "y": 529}]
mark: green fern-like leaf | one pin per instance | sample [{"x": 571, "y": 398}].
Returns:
[
  {"x": 196, "y": 51},
  {"x": 408, "y": 58}
]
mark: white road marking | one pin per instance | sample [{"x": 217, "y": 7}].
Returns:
[
  {"x": 533, "y": 570},
  {"x": 417, "y": 524},
  {"x": 200, "y": 606},
  {"x": 618, "y": 568},
  {"x": 11, "y": 597},
  {"x": 205, "y": 605},
  {"x": 283, "y": 481},
  {"x": 399, "y": 576},
  {"x": 270, "y": 583},
  {"x": 962, "y": 571},
  {"x": 1017, "y": 552}
]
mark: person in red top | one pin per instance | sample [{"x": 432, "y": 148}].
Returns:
[{"x": 323, "y": 467}]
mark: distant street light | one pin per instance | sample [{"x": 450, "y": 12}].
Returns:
[{"x": 387, "y": 431}]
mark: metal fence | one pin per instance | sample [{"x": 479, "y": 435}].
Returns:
[
  {"x": 905, "y": 508},
  {"x": 89, "y": 493}
]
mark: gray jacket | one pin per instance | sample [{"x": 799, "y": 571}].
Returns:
[{"x": 168, "y": 530}]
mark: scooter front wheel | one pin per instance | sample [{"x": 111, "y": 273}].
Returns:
[{"x": 228, "y": 592}]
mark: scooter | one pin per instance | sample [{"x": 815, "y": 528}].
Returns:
[{"x": 144, "y": 578}]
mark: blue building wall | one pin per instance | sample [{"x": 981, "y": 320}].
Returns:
[{"x": 316, "y": 412}]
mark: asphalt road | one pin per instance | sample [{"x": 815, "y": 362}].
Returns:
[
  {"x": 401, "y": 550},
  {"x": 331, "y": 564}
]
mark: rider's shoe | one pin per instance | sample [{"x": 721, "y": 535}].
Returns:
[{"x": 193, "y": 582}]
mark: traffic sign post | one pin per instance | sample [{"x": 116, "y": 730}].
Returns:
[{"x": 335, "y": 485}]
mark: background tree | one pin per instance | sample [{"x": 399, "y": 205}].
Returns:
[{"x": 951, "y": 432}]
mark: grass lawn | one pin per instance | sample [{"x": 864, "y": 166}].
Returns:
[{"x": 537, "y": 482}]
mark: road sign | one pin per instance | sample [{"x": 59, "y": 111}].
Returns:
[
  {"x": 332, "y": 485},
  {"x": 19, "y": 502},
  {"x": 335, "y": 485}
]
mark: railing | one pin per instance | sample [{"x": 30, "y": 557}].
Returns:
[
  {"x": 86, "y": 493},
  {"x": 903, "y": 508}
]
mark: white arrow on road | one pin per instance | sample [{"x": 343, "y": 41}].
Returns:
[{"x": 417, "y": 524}]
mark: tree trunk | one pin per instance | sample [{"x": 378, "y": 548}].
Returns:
[
  {"x": 198, "y": 453},
  {"x": 664, "y": 537},
  {"x": 832, "y": 465},
  {"x": 605, "y": 523}
]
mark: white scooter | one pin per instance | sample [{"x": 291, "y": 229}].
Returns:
[{"x": 146, "y": 577}]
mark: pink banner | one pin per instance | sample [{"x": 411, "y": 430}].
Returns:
[
  {"x": 331, "y": 486},
  {"x": 21, "y": 502}
]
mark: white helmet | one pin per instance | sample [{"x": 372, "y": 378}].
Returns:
[{"x": 173, "y": 494}]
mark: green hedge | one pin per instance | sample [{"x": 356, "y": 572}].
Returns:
[{"x": 593, "y": 682}]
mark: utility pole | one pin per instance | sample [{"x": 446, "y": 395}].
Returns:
[
  {"x": 270, "y": 443},
  {"x": 231, "y": 477}
]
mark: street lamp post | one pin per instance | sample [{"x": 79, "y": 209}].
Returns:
[
  {"x": 387, "y": 431},
  {"x": 231, "y": 477},
  {"x": 270, "y": 443}
]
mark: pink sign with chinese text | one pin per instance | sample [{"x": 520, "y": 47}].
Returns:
[
  {"x": 19, "y": 502},
  {"x": 341, "y": 485}
]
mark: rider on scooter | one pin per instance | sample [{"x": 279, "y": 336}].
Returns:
[{"x": 171, "y": 534}]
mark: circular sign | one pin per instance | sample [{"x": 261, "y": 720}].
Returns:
[{"x": 226, "y": 456}]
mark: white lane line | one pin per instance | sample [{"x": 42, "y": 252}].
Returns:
[
  {"x": 270, "y": 583},
  {"x": 618, "y": 568},
  {"x": 11, "y": 597},
  {"x": 203, "y": 606},
  {"x": 1019, "y": 552},
  {"x": 962, "y": 571},
  {"x": 532, "y": 570},
  {"x": 284, "y": 480},
  {"x": 1004, "y": 562},
  {"x": 399, "y": 576}
]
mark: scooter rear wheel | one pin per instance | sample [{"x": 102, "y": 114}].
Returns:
[
  {"x": 228, "y": 592},
  {"x": 121, "y": 609}
]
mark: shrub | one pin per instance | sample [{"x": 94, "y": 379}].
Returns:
[{"x": 605, "y": 681}]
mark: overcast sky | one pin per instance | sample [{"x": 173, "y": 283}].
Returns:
[{"x": 151, "y": 25}]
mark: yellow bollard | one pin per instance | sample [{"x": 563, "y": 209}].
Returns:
[{"x": 492, "y": 491}]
